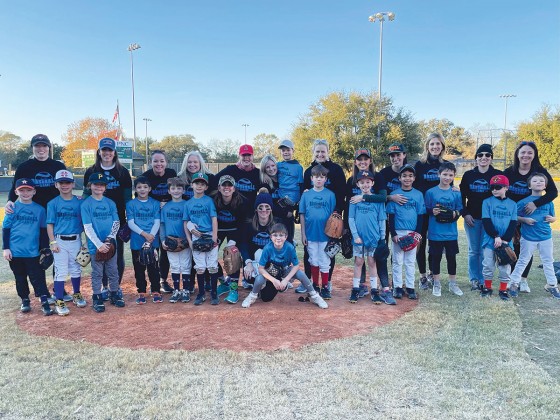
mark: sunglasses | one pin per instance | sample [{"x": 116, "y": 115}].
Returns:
[
  {"x": 524, "y": 143},
  {"x": 480, "y": 155},
  {"x": 496, "y": 187},
  {"x": 264, "y": 208}
]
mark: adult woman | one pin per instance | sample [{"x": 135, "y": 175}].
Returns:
[
  {"x": 390, "y": 173},
  {"x": 194, "y": 163},
  {"x": 525, "y": 162},
  {"x": 119, "y": 189},
  {"x": 475, "y": 188},
  {"x": 158, "y": 176},
  {"x": 427, "y": 177}
]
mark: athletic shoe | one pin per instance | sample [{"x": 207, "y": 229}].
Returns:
[
  {"x": 246, "y": 285},
  {"x": 199, "y": 299},
  {"x": 436, "y": 290},
  {"x": 475, "y": 285},
  {"x": 486, "y": 292},
  {"x": 51, "y": 300},
  {"x": 424, "y": 285},
  {"x": 98, "y": 305},
  {"x": 354, "y": 295},
  {"x": 191, "y": 290},
  {"x": 514, "y": 290},
  {"x": 233, "y": 295},
  {"x": 46, "y": 308},
  {"x": 67, "y": 297},
  {"x": 25, "y": 306},
  {"x": 553, "y": 290},
  {"x": 387, "y": 297},
  {"x": 326, "y": 293},
  {"x": 79, "y": 300},
  {"x": 376, "y": 298},
  {"x": 115, "y": 300},
  {"x": 453, "y": 288},
  {"x": 176, "y": 296},
  {"x": 120, "y": 293},
  {"x": 223, "y": 288},
  {"x": 141, "y": 300},
  {"x": 329, "y": 286},
  {"x": 290, "y": 285},
  {"x": 318, "y": 300},
  {"x": 249, "y": 300},
  {"x": 214, "y": 300},
  {"x": 503, "y": 294},
  {"x": 301, "y": 289},
  {"x": 105, "y": 294},
  {"x": 61, "y": 308},
  {"x": 165, "y": 287},
  {"x": 524, "y": 287},
  {"x": 363, "y": 291},
  {"x": 411, "y": 293},
  {"x": 207, "y": 286},
  {"x": 398, "y": 292},
  {"x": 186, "y": 296},
  {"x": 157, "y": 298}
]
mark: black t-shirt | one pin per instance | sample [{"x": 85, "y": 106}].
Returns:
[
  {"x": 158, "y": 183},
  {"x": 246, "y": 182},
  {"x": 119, "y": 188},
  {"x": 391, "y": 179},
  {"x": 475, "y": 188},
  {"x": 519, "y": 189},
  {"x": 335, "y": 182},
  {"x": 230, "y": 218},
  {"x": 427, "y": 174}
]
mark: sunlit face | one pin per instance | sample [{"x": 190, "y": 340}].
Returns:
[
  {"x": 107, "y": 156},
  {"x": 321, "y": 153},
  {"x": 278, "y": 239},
  {"x": 26, "y": 194},
  {"x": 526, "y": 154},
  {"x": 159, "y": 163},
  {"x": 435, "y": 147},
  {"x": 98, "y": 189},
  {"x": 41, "y": 151},
  {"x": 538, "y": 183},
  {"x": 199, "y": 187},
  {"x": 193, "y": 164},
  {"x": 64, "y": 187},
  {"x": 363, "y": 162},
  {"x": 406, "y": 178},
  {"x": 246, "y": 160},
  {"x": 397, "y": 159},
  {"x": 270, "y": 168},
  {"x": 176, "y": 191},
  {"x": 365, "y": 185},
  {"x": 484, "y": 159},
  {"x": 318, "y": 180},
  {"x": 143, "y": 190},
  {"x": 226, "y": 189},
  {"x": 287, "y": 153},
  {"x": 446, "y": 177}
]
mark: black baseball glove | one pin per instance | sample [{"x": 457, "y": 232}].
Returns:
[
  {"x": 445, "y": 215},
  {"x": 505, "y": 255},
  {"x": 46, "y": 258},
  {"x": 346, "y": 245},
  {"x": 275, "y": 270},
  {"x": 148, "y": 254},
  {"x": 381, "y": 251},
  {"x": 203, "y": 244}
]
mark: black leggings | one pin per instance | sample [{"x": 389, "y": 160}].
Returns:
[
  {"x": 435, "y": 262},
  {"x": 421, "y": 254}
]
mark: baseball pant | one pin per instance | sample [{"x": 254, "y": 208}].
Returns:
[
  {"x": 318, "y": 257},
  {"x": 401, "y": 258},
  {"x": 489, "y": 265},
  {"x": 180, "y": 262},
  {"x": 206, "y": 260},
  {"x": 65, "y": 260},
  {"x": 101, "y": 268},
  {"x": 528, "y": 248},
  {"x": 474, "y": 239},
  {"x": 28, "y": 267}
]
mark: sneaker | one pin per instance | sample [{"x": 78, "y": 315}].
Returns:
[
  {"x": 453, "y": 288},
  {"x": 411, "y": 293},
  {"x": 176, "y": 296},
  {"x": 246, "y": 285},
  {"x": 486, "y": 292},
  {"x": 98, "y": 305},
  {"x": 199, "y": 299},
  {"x": 51, "y": 300},
  {"x": 514, "y": 290},
  {"x": 105, "y": 294},
  {"x": 46, "y": 308},
  {"x": 249, "y": 300},
  {"x": 157, "y": 298},
  {"x": 214, "y": 300},
  {"x": 436, "y": 290},
  {"x": 524, "y": 287},
  {"x": 223, "y": 288},
  {"x": 79, "y": 300},
  {"x": 326, "y": 293},
  {"x": 424, "y": 285},
  {"x": 387, "y": 297},
  {"x": 329, "y": 286},
  {"x": 115, "y": 300},
  {"x": 67, "y": 297},
  {"x": 25, "y": 306},
  {"x": 301, "y": 289},
  {"x": 475, "y": 285},
  {"x": 553, "y": 290},
  {"x": 290, "y": 285},
  {"x": 318, "y": 300},
  {"x": 61, "y": 308},
  {"x": 398, "y": 292},
  {"x": 165, "y": 287},
  {"x": 503, "y": 295},
  {"x": 120, "y": 293},
  {"x": 207, "y": 286},
  {"x": 354, "y": 295},
  {"x": 363, "y": 291},
  {"x": 186, "y": 296},
  {"x": 141, "y": 300},
  {"x": 233, "y": 295},
  {"x": 376, "y": 298}
]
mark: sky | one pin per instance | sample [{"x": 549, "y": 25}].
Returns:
[{"x": 207, "y": 68}]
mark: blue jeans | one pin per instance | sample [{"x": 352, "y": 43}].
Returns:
[{"x": 474, "y": 238}]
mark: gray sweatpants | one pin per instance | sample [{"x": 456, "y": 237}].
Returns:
[
  {"x": 260, "y": 282},
  {"x": 489, "y": 264},
  {"x": 110, "y": 268}
]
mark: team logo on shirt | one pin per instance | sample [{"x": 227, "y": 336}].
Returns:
[
  {"x": 43, "y": 180},
  {"x": 160, "y": 190},
  {"x": 393, "y": 185},
  {"x": 261, "y": 239},
  {"x": 225, "y": 216},
  {"x": 112, "y": 183},
  {"x": 501, "y": 211},
  {"x": 479, "y": 186},
  {"x": 102, "y": 212},
  {"x": 431, "y": 175},
  {"x": 198, "y": 210},
  {"x": 519, "y": 188},
  {"x": 26, "y": 216},
  {"x": 173, "y": 214},
  {"x": 244, "y": 185},
  {"x": 144, "y": 213},
  {"x": 66, "y": 213},
  {"x": 318, "y": 203}
]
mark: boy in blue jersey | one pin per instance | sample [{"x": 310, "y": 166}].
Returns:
[
  {"x": 290, "y": 181},
  {"x": 403, "y": 219},
  {"x": 180, "y": 262},
  {"x": 143, "y": 218},
  {"x": 24, "y": 233},
  {"x": 536, "y": 234},
  {"x": 367, "y": 224},
  {"x": 64, "y": 227},
  {"x": 315, "y": 207},
  {"x": 442, "y": 233},
  {"x": 101, "y": 223},
  {"x": 499, "y": 219},
  {"x": 200, "y": 211},
  {"x": 283, "y": 254}
]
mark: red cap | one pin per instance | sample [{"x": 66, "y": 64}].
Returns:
[
  {"x": 246, "y": 149},
  {"x": 499, "y": 180}
]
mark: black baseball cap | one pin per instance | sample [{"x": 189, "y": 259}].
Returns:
[{"x": 40, "y": 138}]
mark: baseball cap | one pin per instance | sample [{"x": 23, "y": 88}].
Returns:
[
  {"x": 98, "y": 178},
  {"x": 200, "y": 176},
  {"x": 396, "y": 148},
  {"x": 499, "y": 180},
  {"x": 361, "y": 152},
  {"x": 107, "y": 143},
  {"x": 64, "y": 175},
  {"x": 24, "y": 183},
  {"x": 40, "y": 138},
  {"x": 408, "y": 168},
  {"x": 286, "y": 143},
  {"x": 364, "y": 175},
  {"x": 246, "y": 149},
  {"x": 226, "y": 178}
]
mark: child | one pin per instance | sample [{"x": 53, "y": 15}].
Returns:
[
  {"x": 201, "y": 212},
  {"x": 24, "y": 234},
  {"x": 315, "y": 207},
  {"x": 442, "y": 232},
  {"x": 64, "y": 227},
  {"x": 143, "y": 216},
  {"x": 101, "y": 223},
  {"x": 367, "y": 224},
  {"x": 172, "y": 225},
  {"x": 403, "y": 219},
  {"x": 536, "y": 234},
  {"x": 282, "y": 254},
  {"x": 499, "y": 219}
]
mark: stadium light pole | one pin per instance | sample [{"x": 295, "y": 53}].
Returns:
[
  {"x": 506, "y": 96},
  {"x": 245, "y": 125},
  {"x": 147, "y": 120},
  {"x": 380, "y": 17},
  {"x": 133, "y": 47}
]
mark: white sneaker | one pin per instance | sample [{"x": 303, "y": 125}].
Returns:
[
  {"x": 249, "y": 300},
  {"x": 61, "y": 308},
  {"x": 318, "y": 300},
  {"x": 524, "y": 287},
  {"x": 453, "y": 288},
  {"x": 436, "y": 290}
]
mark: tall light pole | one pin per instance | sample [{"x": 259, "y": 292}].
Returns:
[
  {"x": 245, "y": 125},
  {"x": 380, "y": 17},
  {"x": 147, "y": 156},
  {"x": 133, "y": 47},
  {"x": 506, "y": 97}
]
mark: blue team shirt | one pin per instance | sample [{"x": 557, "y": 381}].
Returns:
[
  {"x": 65, "y": 216},
  {"x": 317, "y": 206},
  {"x": 501, "y": 213},
  {"x": 200, "y": 211},
  {"x": 450, "y": 199},
  {"x": 144, "y": 214},
  {"x": 25, "y": 225},
  {"x": 541, "y": 230},
  {"x": 369, "y": 219},
  {"x": 290, "y": 179},
  {"x": 100, "y": 214},
  {"x": 406, "y": 215},
  {"x": 284, "y": 257},
  {"x": 172, "y": 219}
]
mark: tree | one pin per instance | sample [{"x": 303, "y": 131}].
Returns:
[
  {"x": 350, "y": 121},
  {"x": 176, "y": 146},
  {"x": 458, "y": 140},
  {"x": 264, "y": 144},
  {"x": 223, "y": 151},
  {"x": 10, "y": 144},
  {"x": 84, "y": 135}
]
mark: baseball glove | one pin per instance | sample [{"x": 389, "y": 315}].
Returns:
[
  {"x": 148, "y": 254},
  {"x": 505, "y": 255},
  {"x": 346, "y": 245},
  {"x": 203, "y": 244},
  {"x": 175, "y": 244},
  {"x": 445, "y": 215},
  {"x": 286, "y": 202},
  {"x": 275, "y": 270},
  {"x": 124, "y": 233},
  {"x": 332, "y": 248},
  {"x": 232, "y": 259},
  {"x": 381, "y": 251},
  {"x": 106, "y": 256},
  {"x": 46, "y": 258},
  {"x": 83, "y": 258},
  {"x": 334, "y": 226},
  {"x": 410, "y": 241}
]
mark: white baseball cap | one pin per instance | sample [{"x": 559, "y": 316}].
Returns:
[{"x": 64, "y": 175}]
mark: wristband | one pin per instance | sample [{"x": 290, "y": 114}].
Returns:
[{"x": 52, "y": 242}]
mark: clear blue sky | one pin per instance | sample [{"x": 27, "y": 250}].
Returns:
[{"x": 205, "y": 68}]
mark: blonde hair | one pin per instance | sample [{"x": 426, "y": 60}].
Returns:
[
  {"x": 319, "y": 142},
  {"x": 425, "y": 153},
  {"x": 265, "y": 178},
  {"x": 184, "y": 174}
]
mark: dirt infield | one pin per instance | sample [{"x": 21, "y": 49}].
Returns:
[{"x": 281, "y": 324}]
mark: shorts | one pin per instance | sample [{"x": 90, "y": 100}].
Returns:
[
  {"x": 363, "y": 251},
  {"x": 443, "y": 247}
]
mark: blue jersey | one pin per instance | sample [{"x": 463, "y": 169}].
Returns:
[
  {"x": 283, "y": 257},
  {"x": 144, "y": 214},
  {"x": 540, "y": 231},
  {"x": 25, "y": 225},
  {"x": 290, "y": 179},
  {"x": 172, "y": 219},
  {"x": 406, "y": 215},
  {"x": 101, "y": 214},
  {"x": 200, "y": 211},
  {"x": 65, "y": 216},
  {"x": 317, "y": 206},
  {"x": 501, "y": 213},
  {"x": 369, "y": 222},
  {"x": 450, "y": 199}
]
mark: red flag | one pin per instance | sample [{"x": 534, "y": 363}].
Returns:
[{"x": 116, "y": 114}]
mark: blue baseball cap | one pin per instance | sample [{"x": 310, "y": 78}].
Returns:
[
  {"x": 107, "y": 143},
  {"x": 40, "y": 139},
  {"x": 364, "y": 175},
  {"x": 24, "y": 183},
  {"x": 98, "y": 178}
]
